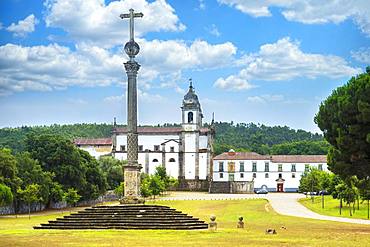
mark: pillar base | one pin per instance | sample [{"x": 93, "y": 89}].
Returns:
[{"x": 131, "y": 200}]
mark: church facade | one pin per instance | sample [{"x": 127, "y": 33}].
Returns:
[{"x": 185, "y": 151}]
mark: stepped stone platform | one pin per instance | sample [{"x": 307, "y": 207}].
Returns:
[{"x": 126, "y": 217}]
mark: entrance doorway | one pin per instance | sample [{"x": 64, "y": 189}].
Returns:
[{"x": 280, "y": 187}]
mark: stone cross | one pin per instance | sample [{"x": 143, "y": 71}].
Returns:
[
  {"x": 131, "y": 171},
  {"x": 131, "y": 16}
]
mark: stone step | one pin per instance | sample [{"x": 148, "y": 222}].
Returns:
[
  {"x": 126, "y": 217},
  {"x": 148, "y": 221},
  {"x": 169, "y": 227},
  {"x": 122, "y": 224}
]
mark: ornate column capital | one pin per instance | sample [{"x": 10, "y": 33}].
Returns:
[{"x": 132, "y": 67}]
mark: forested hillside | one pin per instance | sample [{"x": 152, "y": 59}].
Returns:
[{"x": 241, "y": 137}]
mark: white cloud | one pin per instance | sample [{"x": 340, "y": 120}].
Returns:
[
  {"x": 44, "y": 68},
  {"x": 284, "y": 60},
  {"x": 233, "y": 83},
  {"x": 202, "y": 5},
  {"x": 23, "y": 27},
  {"x": 214, "y": 31},
  {"x": 142, "y": 96},
  {"x": 173, "y": 55},
  {"x": 51, "y": 67},
  {"x": 309, "y": 11},
  {"x": 266, "y": 98},
  {"x": 362, "y": 55},
  {"x": 99, "y": 23}
]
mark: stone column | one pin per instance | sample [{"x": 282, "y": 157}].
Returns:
[{"x": 132, "y": 169}]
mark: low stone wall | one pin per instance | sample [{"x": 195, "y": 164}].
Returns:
[
  {"x": 193, "y": 185},
  {"x": 232, "y": 187},
  {"x": 35, "y": 207}
]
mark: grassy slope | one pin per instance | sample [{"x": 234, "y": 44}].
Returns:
[
  {"x": 300, "y": 232},
  {"x": 331, "y": 207}
]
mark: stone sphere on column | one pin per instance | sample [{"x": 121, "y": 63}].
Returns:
[{"x": 132, "y": 48}]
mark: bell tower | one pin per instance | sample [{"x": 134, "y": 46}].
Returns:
[{"x": 191, "y": 125}]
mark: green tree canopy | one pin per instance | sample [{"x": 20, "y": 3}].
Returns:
[
  {"x": 72, "y": 167},
  {"x": 30, "y": 194},
  {"x": 344, "y": 117},
  {"x": 112, "y": 169},
  {"x": 6, "y": 196}
]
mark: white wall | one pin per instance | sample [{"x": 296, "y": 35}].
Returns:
[{"x": 290, "y": 183}]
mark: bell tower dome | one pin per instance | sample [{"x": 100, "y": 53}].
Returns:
[{"x": 191, "y": 110}]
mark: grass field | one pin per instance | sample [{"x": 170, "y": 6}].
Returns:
[
  {"x": 331, "y": 207},
  {"x": 257, "y": 213}
]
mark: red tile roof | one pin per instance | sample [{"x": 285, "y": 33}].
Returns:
[
  {"x": 158, "y": 130},
  {"x": 241, "y": 156},
  {"x": 299, "y": 158},
  {"x": 97, "y": 141},
  {"x": 273, "y": 158}
]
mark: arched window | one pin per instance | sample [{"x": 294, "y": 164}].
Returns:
[
  {"x": 155, "y": 160},
  {"x": 190, "y": 117},
  {"x": 172, "y": 160}
]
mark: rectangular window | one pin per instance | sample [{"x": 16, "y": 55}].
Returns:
[
  {"x": 306, "y": 167},
  {"x": 221, "y": 175},
  {"x": 123, "y": 148},
  {"x": 293, "y": 175},
  {"x": 140, "y": 147},
  {"x": 241, "y": 166},
  {"x": 156, "y": 147},
  {"x": 280, "y": 167},
  {"x": 221, "y": 166},
  {"x": 280, "y": 175},
  {"x": 241, "y": 175},
  {"x": 172, "y": 149},
  {"x": 254, "y": 167},
  {"x": 320, "y": 167},
  {"x": 267, "y": 167},
  {"x": 266, "y": 175},
  {"x": 254, "y": 175},
  {"x": 293, "y": 168}
]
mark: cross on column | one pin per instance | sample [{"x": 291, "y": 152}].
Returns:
[{"x": 131, "y": 16}]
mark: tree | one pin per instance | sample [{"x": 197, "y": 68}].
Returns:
[
  {"x": 30, "y": 172},
  {"x": 31, "y": 194},
  {"x": 344, "y": 118},
  {"x": 112, "y": 169},
  {"x": 6, "y": 196},
  {"x": 71, "y": 197},
  {"x": 156, "y": 185},
  {"x": 145, "y": 186},
  {"x": 120, "y": 189},
  {"x": 73, "y": 167},
  {"x": 364, "y": 189}
]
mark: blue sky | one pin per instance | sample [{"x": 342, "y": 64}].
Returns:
[{"x": 268, "y": 62}]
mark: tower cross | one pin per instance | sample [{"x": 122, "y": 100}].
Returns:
[{"x": 131, "y": 16}]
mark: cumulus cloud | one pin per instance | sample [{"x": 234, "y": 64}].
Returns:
[
  {"x": 23, "y": 27},
  {"x": 284, "y": 60},
  {"x": 233, "y": 83},
  {"x": 265, "y": 98},
  {"x": 362, "y": 55},
  {"x": 45, "y": 68},
  {"x": 309, "y": 11},
  {"x": 99, "y": 23},
  {"x": 173, "y": 55}
]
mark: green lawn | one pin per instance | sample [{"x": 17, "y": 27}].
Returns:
[
  {"x": 257, "y": 213},
  {"x": 331, "y": 207}
]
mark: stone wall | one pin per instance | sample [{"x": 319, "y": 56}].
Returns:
[
  {"x": 231, "y": 187},
  {"x": 193, "y": 185},
  {"x": 35, "y": 207}
]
